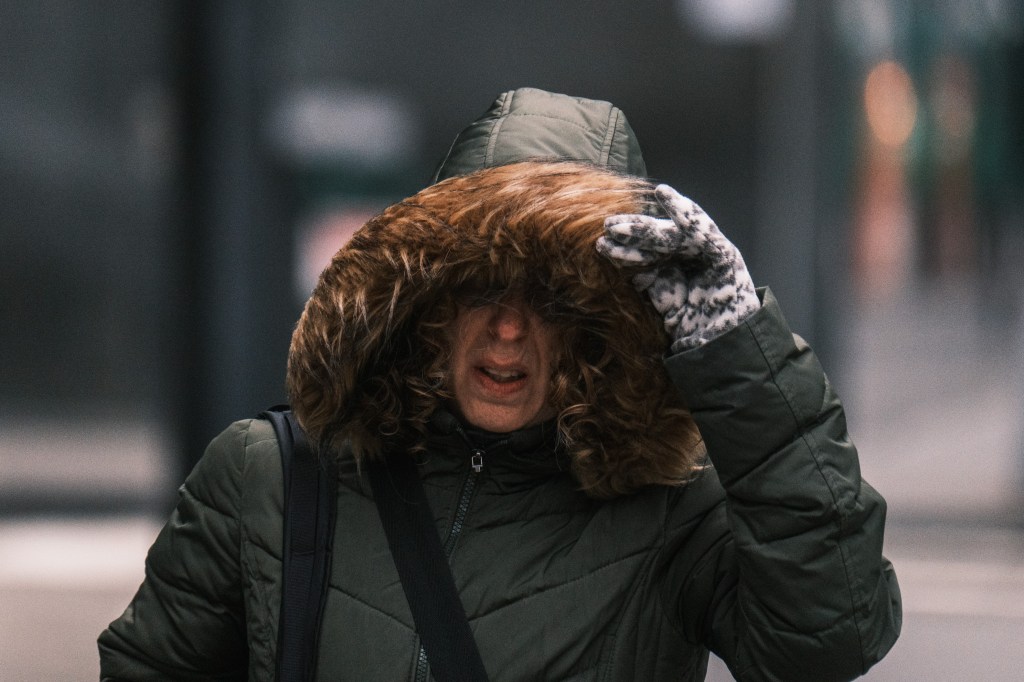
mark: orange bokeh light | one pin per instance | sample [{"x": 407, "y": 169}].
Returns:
[{"x": 890, "y": 103}]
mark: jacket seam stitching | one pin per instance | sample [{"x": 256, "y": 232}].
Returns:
[
  {"x": 549, "y": 117},
  {"x": 810, "y": 443},
  {"x": 492, "y": 139},
  {"x": 368, "y": 605},
  {"x": 243, "y": 465},
  {"x": 206, "y": 505},
  {"x": 609, "y": 135},
  {"x": 801, "y": 431},
  {"x": 713, "y": 553},
  {"x": 257, "y": 586},
  {"x": 854, "y": 611},
  {"x": 671, "y": 612},
  {"x": 245, "y": 566},
  {"x": 559, "y": 586}
]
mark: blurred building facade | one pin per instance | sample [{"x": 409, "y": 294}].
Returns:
[{"x": 175, "y": 174}]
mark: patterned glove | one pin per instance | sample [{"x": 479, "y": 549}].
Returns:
[{"x": 697, "y": 279}]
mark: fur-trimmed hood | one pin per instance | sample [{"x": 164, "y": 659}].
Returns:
[{"x": 367, "y": 359}]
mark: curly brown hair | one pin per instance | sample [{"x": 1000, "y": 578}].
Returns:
[{"x": 369, "y": 359}]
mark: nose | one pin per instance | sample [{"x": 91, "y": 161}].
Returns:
[{"x": 509, "y": 321}]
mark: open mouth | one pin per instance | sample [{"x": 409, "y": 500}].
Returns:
[{"x": 502, "y": 376}]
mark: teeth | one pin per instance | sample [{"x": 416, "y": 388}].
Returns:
[{"x": 503, "y": 375}]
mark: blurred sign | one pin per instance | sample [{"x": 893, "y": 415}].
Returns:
[
  {"x": 738, "y": 20},
  {"x": 328, "y": 125}
]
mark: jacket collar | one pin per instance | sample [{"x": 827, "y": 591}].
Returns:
[{"x": 532, "y": 451}]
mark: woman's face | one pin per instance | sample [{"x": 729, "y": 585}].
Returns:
[{"x": 502, "y": 362}]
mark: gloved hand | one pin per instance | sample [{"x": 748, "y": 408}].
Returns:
[{"x": 696, "y": 278}]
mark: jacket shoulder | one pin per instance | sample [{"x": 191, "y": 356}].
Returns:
[
  {"x": 187, "y": 621},
  {"x": 242, "y": 450}
]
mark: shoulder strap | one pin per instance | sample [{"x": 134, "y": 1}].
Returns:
[
  {"x": 311, "y": 489},
  {"x": 423, "y": 568}
]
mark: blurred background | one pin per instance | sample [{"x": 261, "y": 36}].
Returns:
[{"x": 175, "y": 174}]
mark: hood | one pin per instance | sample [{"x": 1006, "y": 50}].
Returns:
[
  {"x": 534, "y": 124},
  {"x": 367, "y": 365}
]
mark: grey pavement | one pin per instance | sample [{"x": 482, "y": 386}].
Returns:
[{"x": 933, "y": 394}]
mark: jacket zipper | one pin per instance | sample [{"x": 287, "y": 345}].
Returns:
[{"x": 476, "y": 463}]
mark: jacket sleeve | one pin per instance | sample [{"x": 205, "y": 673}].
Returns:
[
  {"x": 785, "y": 580},
  {"x": 186, "y": 620}
]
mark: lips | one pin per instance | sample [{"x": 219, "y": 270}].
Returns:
[{"x": 501, "y": 381}]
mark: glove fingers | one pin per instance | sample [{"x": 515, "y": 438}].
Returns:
[
  {"x": 629, "y": 255},
  {"x": 688, "y": 233},
  {"x": 695, "y": 277},
  {"x": 667, "y": 290},
  {"x": 651, "y": 234},
  {"x": 684, "y": 211},
  {"x": 691, "y": 218}
]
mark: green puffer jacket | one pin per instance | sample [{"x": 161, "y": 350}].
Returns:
[{"x": 771, "y": 558}]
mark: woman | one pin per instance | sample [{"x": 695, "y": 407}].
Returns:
[{"x": 619, "y": 486}]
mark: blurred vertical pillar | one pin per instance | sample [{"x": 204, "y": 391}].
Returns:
[
  {"x": 233, "y": 304},
  {"x": 799, "y": 237}
]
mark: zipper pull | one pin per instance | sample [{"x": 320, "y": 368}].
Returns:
[{"x": 477, "y": 461}]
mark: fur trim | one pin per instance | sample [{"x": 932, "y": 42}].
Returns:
[{"x": 367, "y": 362}]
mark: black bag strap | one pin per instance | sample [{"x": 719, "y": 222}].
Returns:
[
  {"x": 423, "y": 568},
  {"x": 311, "y": 490}
]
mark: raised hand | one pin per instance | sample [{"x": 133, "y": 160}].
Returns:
[{"x": 695, "y": 277}]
